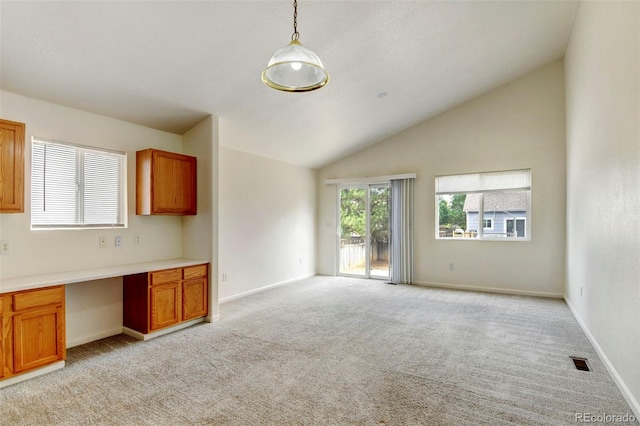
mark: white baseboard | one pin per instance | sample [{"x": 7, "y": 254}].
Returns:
[
  {"x": 628, "y": 396},
  {"x": 94, "y": 337},
  {"x": 142, "y": 336},
  {"x": 267, "y": 287},
  {"x": 31, "y": 374},
  {"x": 212, "y": 318},
  {"x": 490, "y": 289}
]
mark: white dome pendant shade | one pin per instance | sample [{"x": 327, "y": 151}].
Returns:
[{"x": 294, "y": 68}]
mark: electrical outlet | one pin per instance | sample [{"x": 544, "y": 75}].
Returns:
[
  {"x": 580, "y": 291},
  {"x": 300, "y": 261},
  {"x": 5, "y": 247},
  {"x": 102, "y": 242},
  {"x": 451, "y": 267},
  {"x": 136, "y": 240},
  {"x": 224, "y": 277},
  {"x": 118, "y": 241}
]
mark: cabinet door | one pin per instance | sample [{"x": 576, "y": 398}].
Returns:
[
  {"x": 38, "y": 337},
  {"x": 194, "y": 299},
  {"x": 11, "y": 167},
  {"x": 174, "y": 183},
  {"x": 7, "y": 345},
  {"x": 164, "y": 301}
]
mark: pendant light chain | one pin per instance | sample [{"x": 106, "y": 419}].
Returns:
[
  {"x": 294, "y": 68},
  {"x": 295, "y": 36}
]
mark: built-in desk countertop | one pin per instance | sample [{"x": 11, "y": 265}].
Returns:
[
  {"x": 31, "y": 339},
  {"x": 28, "y": 282}
]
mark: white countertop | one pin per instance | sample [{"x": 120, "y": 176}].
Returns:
[{"x": 80, "y": 275}]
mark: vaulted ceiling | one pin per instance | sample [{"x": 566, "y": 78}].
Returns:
[{"x": 168, "y": 64}]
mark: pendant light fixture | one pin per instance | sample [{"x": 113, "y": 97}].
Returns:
[{"x": 294, "y": 68}]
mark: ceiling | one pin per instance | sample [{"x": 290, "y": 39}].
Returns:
[{"x": 168, "y": 64}]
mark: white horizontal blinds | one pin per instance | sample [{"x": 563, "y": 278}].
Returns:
[
  {"x": 53, "y": 185},
  {"x": 483, "y": 182},
  {"x": 101, "y": 188},
  {"x": 75, "y": 186}
]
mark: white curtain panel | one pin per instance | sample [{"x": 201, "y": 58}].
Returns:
[{"x": 402, "y": 231}]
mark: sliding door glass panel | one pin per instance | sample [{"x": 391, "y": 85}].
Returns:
[
  {"x": 364, "y": 234},
  {"x": 379, "y": 236},
  {"x": 352, "y": 232}
]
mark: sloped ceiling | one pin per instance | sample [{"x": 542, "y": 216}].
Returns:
[{"x": 167, "y": 65}]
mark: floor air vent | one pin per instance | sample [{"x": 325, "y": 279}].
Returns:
[{"x": 580, "y": 363}]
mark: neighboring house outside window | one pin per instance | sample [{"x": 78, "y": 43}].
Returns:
[
  {"x": 505, "y": 213},
  {"x": 485, "y": 206}
]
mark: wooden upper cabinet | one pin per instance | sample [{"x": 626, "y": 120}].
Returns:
[
  {"x": 11, "y": 167},
  {"x": 165, "y": 183}
]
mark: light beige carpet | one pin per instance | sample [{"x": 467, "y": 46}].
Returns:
[{"x": 333, "y": 351}]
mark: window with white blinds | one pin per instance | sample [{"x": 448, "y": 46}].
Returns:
[
  {"x": 74, "y": 186},
  {"x": 484, "y": 206}
]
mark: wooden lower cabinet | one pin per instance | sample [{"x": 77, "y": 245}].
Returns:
[
  {"x": 194, "y": 299},
  {"x": 156, "y": 300},
  {"x": 37, "y": 338},
  {"x": 33, "y": 329},
  {"x": 164, "y": 304}
]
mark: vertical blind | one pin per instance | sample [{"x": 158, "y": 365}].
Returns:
[
  {"x": 76, "y": 186},
  {"x": 402, "y": 231}
]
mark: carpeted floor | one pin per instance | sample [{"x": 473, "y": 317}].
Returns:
[{"x": 334, "y": 351}]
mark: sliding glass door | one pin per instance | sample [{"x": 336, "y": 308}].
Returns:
[
  {"x": 363, "y": 235},
  {"x": 379, "y": 235}
]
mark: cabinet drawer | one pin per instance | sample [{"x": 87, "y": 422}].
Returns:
[
  {"x": 169, "y": 275},
  {"x": 195, "y": 272},
  {"x": 34, "y": 298}
]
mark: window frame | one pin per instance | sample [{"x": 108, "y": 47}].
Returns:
[
  {"x": 487, "y": 227},
  {"x": 515, "y": 224},
  {"x": 79, "y": 163},
  {"x": 480, "y": 231}
]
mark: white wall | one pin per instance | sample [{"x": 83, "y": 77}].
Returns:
[
  {"x": 94, "y": 309},
  {"x": 267, "y": 223},
  {"x": 519, "y": 125},
  {"x": 200, "y": 232},
  {"x": 34, "y": 252},
  {"x": 603, "y": 184}
]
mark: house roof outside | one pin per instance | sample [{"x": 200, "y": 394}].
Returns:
[{"x": 497, "y": 201}]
